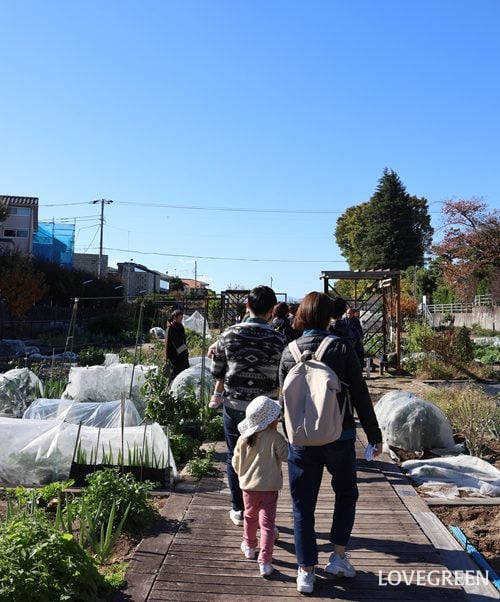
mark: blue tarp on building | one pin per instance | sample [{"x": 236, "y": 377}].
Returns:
[{"x": 55, "y": 242}]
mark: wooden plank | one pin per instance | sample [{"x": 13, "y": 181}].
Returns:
[
  {"x": 201, "y": 559},
  {"x": 463, "y": 501}
]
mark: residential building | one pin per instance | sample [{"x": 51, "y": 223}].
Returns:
[
  {"x": 89, "y": 262},
  {"x": 16, "y": 232},
  {"x": 139, "y": 280},
  {"x": 193, "y": 285}
]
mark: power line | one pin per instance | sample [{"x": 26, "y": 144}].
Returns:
[
  {"x": 224, "y": 258},
  {"x": 226, "y": 209}
]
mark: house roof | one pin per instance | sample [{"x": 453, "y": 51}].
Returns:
[
  {"x": 194, "y": 283},
  {"x": 30, "y": 201},
  {"x": 22, "y": 201}
]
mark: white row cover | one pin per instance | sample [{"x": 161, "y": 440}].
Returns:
[
  {"x": 37, "y": 452},
  {"x": 102, "y": 383},
  {"x": 18, "y": 388},
  {"x": 446, "y": 477},
  {"x": 411, "y": 423},
  {"x": 105, "y": 414},
  {"x": 189, "y": 381},
  {"x": 196, "y": 322}
]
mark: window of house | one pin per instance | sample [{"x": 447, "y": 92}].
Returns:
[
  {"x": 10, "y": 233},
  {"x": 19, "y": 211}
]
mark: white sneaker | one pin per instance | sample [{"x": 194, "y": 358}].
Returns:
[
  {"x": 237, "y": 517},
  {"x": 340, "y": 566},
  {"x": 250, "y": 553},
  {"x": 265, "y": 568},
  {"x": 305, "y": 581}
]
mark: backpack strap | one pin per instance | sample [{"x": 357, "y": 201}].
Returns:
[
  {"x": 323, "y": 346},
  {"x": 295, "y": 351}
]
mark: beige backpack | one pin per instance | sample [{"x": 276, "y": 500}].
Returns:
[{"x": 309, "y": 398}]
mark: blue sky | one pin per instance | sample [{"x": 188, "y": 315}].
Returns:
[{"x": 248, "y": 105}]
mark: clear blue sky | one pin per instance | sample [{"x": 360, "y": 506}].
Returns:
[{"x": 260, "y": 105}]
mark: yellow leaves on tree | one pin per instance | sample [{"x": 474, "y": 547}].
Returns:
[{"x": 21, "y": 286}]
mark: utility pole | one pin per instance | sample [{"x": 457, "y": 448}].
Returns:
[
  {"x": 103, "y": 202},
  {"x": 195, "y": 275}
]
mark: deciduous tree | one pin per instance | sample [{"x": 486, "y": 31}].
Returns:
[
  {"x": 470, "y": 248},
  {"x": 21, "y": 285}
]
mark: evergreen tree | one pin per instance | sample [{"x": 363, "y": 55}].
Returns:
[{"x": 391, "y": 230}]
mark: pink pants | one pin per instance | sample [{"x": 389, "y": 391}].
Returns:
[{"x": 260, "y": 511}]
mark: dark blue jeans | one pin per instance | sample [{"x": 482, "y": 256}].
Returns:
[
  {"x": 305, "y": 471},
  {"x": 231, "y": 434}
]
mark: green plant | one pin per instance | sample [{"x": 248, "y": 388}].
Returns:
[
  {"x": 40, "y": 564},
  {"x": 114, "y": 574},
  {"x": 109, "y": 324},
  {"x": 487, "y": 355},
  {"x": 52, "y": 490},
  {"x": 91, "y": 356},
  {"x": 416, "y": 334},
  {"x": 165, "y": 408},
  {"x": 479, "y": 331},
  {"x": 214, "y": 428},
  {"x": 194, "y": 341},
  {"x": 53, "y": 388},
  {"x": 108, "y": 486},
  {"x": 184, "y": 447},
  {"x": 102, "y": 540},
  {"x": 202, "y": 465}
]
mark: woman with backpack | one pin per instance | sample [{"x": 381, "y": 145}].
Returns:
[{"x": 306, "y": 462}]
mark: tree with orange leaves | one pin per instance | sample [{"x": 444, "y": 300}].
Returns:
[
  {"x": 470, "y": 248},
  {"x": 21, "y": 285}
]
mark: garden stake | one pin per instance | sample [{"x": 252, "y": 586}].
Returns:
[
  {"x": 122, "y": 422},
  {"x": 138, "y": 334},
  {"x": 142, "y": 452},
  {"x": 97, "y": 447}
]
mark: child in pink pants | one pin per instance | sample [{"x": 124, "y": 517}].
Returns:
[{"x": 257, "y": 459}]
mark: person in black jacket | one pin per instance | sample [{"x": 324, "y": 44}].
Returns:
[
  {"x": 281, "y": 322},
  {"x": 354, "y": 324},
  {"x": 177, "y": 351},
  {"x": 305, "y": 464}
]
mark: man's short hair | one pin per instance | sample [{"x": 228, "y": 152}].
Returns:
[
  {"x": 261, "y": 299},
  {"x": 338, "y": 307}
]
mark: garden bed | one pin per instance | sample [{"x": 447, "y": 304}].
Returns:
[{"x": 480, "y": 523}]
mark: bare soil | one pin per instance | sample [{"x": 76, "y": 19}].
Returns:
[{"x": 480, "y": 524}]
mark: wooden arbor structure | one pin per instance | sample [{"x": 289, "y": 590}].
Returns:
[
  {"x": 377, "y": 297},
  {"x": 233, "y": 304}
]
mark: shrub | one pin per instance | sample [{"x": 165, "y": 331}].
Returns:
[
  {"x": 194, "y": 341},
  {"x": 108, "y": 486},
  {"x": 487, "y": 355},
  {"x": 202, "y": 465},
  {"x": 40, "y": 564},
  {"x": 471, "y": 411},
  {"x": 109, "y": 324},
  {"x": 184, "y": 447},
  {"x": 416, "y": 334},
  {"x": 91, "y": 356},
  {"x": 214, "y": 429}
]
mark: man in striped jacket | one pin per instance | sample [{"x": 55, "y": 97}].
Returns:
[{"x": 246, "y": 359}]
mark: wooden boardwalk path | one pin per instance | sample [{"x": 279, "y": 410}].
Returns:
[{"x": 195, "y": 555}]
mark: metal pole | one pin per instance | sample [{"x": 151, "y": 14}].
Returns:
[{"x": 103, "y": 202}]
